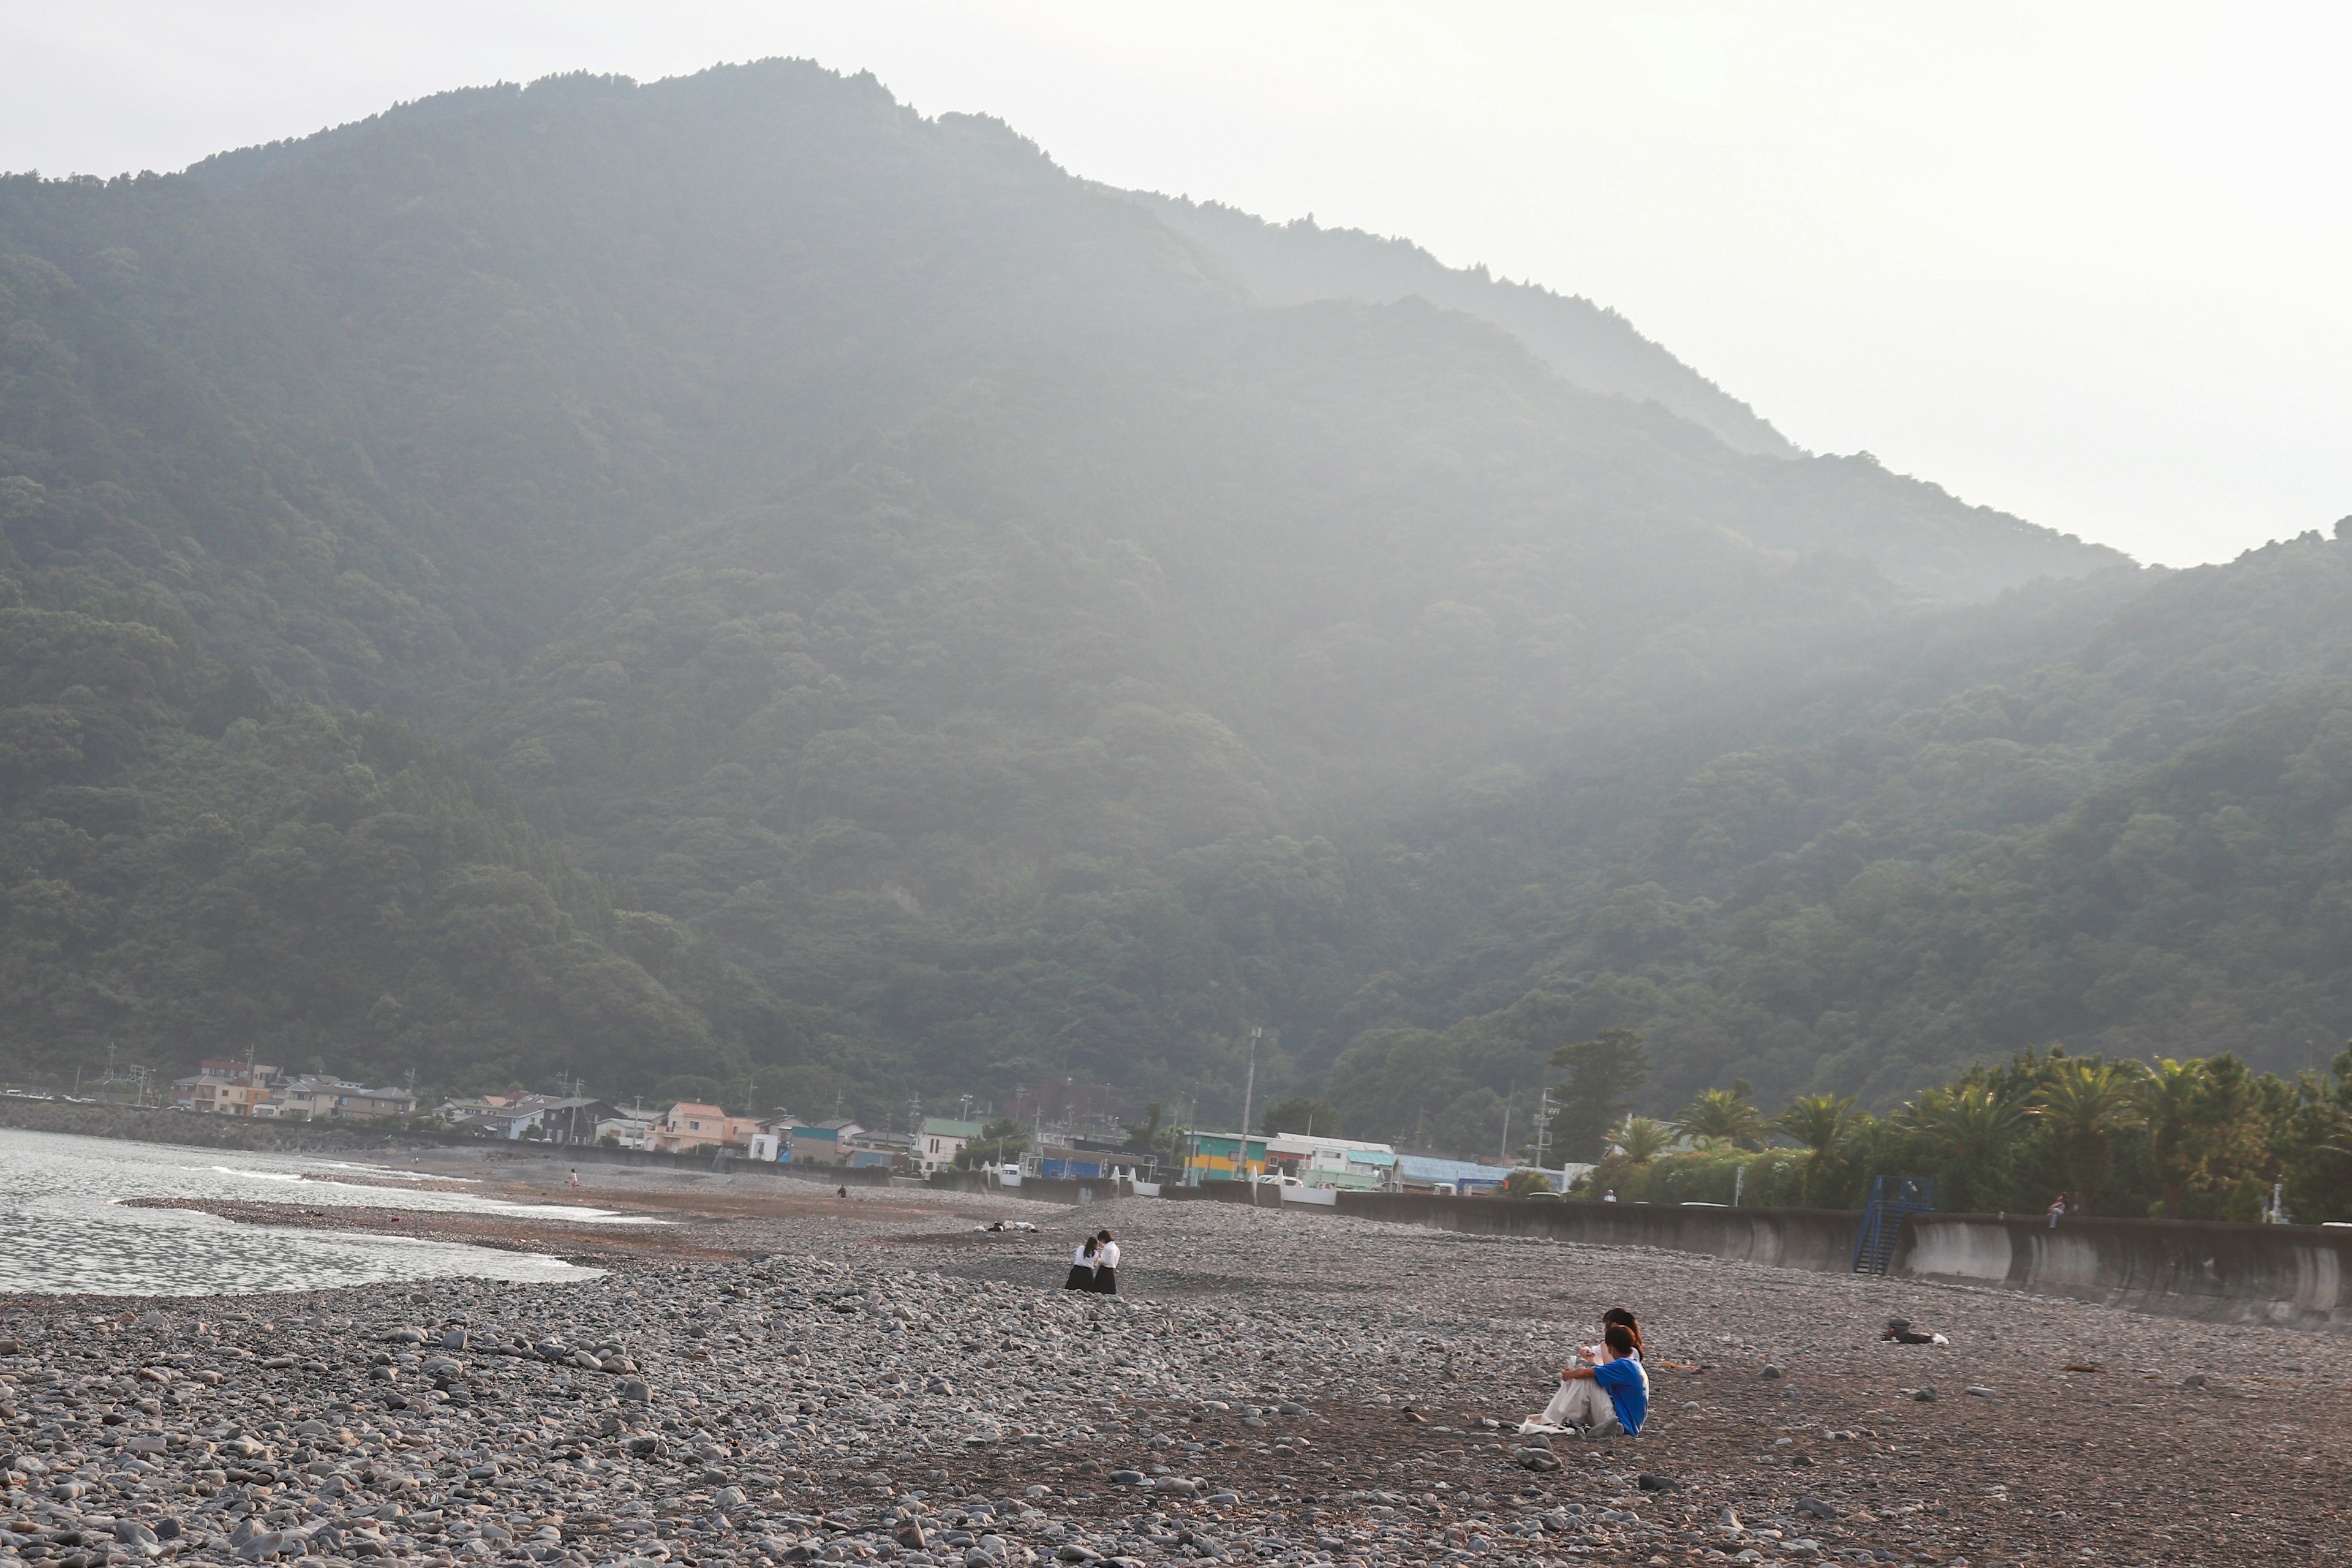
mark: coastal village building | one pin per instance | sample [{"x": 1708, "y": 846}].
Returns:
[
  {"x": 569, "y": 1118},
  {"x": 870, "y": 1149},
  {"x": 459, "y": 1110},
  {"x": 227, "y": 1088},
  {"x": 826, "y": 1144},
  {"x": 315, "y": 1097},
  {"x": 1342, "y": 1162},
  {"x": 507, "y": 1121},
  {"x": 1347, "y": 1164},
  {"x": 1291, "y": 1156},
  {"x": 1427, "y": 1173},
  {"x": 942, "y": 1140},
  {"x": 690, "y": 1125},
  {"x": 1223, "y": 1157},
  {"x": 627, "y": 1128}
]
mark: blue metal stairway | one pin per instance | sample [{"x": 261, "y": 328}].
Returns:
[{"x": 1891, "y": 1198}]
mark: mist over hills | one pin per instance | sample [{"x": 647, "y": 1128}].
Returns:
[
  {"x": 729, "y": 577},
  {"x": 1291, "y": 263}
]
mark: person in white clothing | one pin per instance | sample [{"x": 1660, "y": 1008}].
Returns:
[
  {"x": 1582, "y": 1405},
  {"x": 1082, "y": 1267},
  {"x": 1105, "y": 1265}
]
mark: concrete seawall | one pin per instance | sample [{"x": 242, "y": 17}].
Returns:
[
  {"x": 1821, "y": 1240},
  {"x": 2291, "y": 1276},
  {"x": 2288, "y": 1276}
]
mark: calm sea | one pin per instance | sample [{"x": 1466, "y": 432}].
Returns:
[{"x": 64, "y": 1230}]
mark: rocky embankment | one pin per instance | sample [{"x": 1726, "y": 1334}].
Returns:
[{"x": 1293, "y": 1389}]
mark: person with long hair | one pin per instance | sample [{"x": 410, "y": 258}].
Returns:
[
  {"x": 1105, "y": 1265},
  {"x": 1082, "y": 1267},
  {"x": 1620, "y": 1397},
  {"x": 1586, "y": 1404}
]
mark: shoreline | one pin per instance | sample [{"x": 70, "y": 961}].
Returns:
[{"x": 775, "y": 1378}]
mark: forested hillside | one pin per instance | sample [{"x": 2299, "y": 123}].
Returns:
[
  {"x": 1291, "y": 263},
  {"x": 731, "y": 580}
]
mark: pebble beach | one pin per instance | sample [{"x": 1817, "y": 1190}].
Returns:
[{"x": 773, "y": 1374}]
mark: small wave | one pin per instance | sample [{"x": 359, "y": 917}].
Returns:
[
  {"x": 260, "y": 1175},
  {"x": 388, "y": 1173}
]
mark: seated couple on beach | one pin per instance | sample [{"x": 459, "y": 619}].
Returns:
[{"x": 1607, "y": 1390}]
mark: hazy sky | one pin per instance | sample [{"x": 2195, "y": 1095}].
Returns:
[{"x": 2083, "y": 262}]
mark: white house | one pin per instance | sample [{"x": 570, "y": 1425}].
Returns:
[
  {"x": 628, "y": 1132},
  {"x": 942, "y": 1140}
]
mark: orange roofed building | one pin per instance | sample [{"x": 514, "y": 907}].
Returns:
[{"x": 687, "y": 1126}]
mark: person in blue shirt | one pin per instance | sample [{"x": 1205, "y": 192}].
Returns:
[
  {"x": 1621, "y": 1378},
  {"x": 1595, "y": 1400}
]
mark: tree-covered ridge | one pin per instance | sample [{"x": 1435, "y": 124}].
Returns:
[
  {"x": 326, "y": 890},
  {"x": 1296, "y": 262},
  {"x": 1914, "y": 533},
  {"x": 190, "y": 865},
  {"x": 1132, "y": 662},
  {"x": 961, "y": 635},
  {"x": 2132, "y": 849}
]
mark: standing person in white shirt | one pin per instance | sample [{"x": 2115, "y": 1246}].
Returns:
[
  {"x": 1082, "y": 1267},
  {"x": 1105, "y": 1265}
]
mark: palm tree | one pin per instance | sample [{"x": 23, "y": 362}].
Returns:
[
  {"x": 1816, "y": 1124},
  {"x": 2085, "y": 1106},
  {"x": 1872, "y": 1147},
  {"x": 2166, "y": 1097},
  {"x": 1972, "y": 1129},
  {"x": 1642, "y": 1139},
  {"x": 1725, "y": 1113}
]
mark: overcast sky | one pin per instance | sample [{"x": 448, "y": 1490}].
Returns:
[{"x": 2083, "y": 262}]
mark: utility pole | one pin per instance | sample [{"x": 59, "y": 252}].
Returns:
[
  {"x": 1505, "y": 1156},
  {"x": 1037, "y": 1139},
  {"x": 1543, "y": 1125},
  {"x": 1249, "y": 1093}
]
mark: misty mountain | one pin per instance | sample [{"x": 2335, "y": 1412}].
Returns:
[
  {"x": 731, "y": 578},
  {"x": 1291, "y": 263}
]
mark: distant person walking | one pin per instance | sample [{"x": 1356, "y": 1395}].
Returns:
[
  {"x": 576, "y": 1178},
  {"x": 1105, "y": 1265},
  {"x": 2057, "y": 1209},
  {"x": 1082, "y": 1267}
]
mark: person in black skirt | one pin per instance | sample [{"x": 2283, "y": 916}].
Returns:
[
  {"x": 1105, "y": 1265},
  {"x": 1082, "y": 1267}
]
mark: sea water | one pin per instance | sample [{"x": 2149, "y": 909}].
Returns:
[{"x": 64, "y": 1230}]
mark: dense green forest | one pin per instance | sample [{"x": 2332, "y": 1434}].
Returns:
[{"x": 730, "y": 578}]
